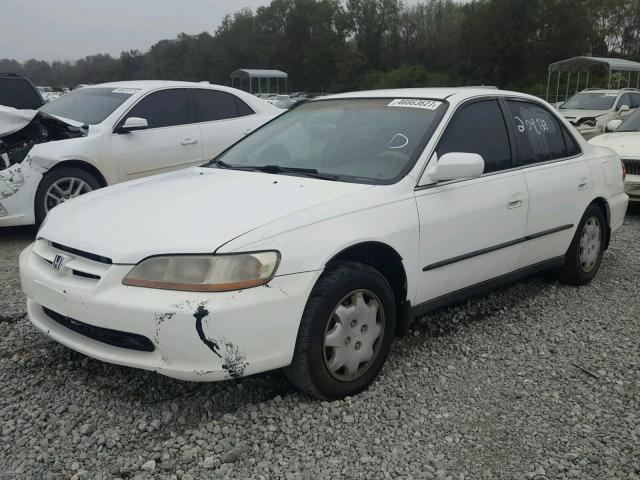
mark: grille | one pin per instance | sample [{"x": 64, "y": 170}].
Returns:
[
  {"x": 632, "y": 166},
  {"x": 115, "y": 338},
  {"x": 80, "y": 253}
]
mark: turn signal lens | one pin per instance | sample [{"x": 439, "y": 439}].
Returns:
[{"x": 205, "y": 273}]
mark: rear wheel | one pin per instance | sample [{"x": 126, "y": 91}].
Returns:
[
  {"x": 584, "y": 256},
  {"x": 345, "y": 333},
  {"x": 60, "y": 185}
]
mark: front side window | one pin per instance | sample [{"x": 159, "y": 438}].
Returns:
[
  {"x": 479, "y": 128},
  {"x": 635, "y": 100},
  {"x": 539, "y": 136},
  {"x": 590, "y": 101},
  {"x": 214, "y": 105},
  {"x": 624, "y": 100},
  {"x": 165, "y": 108},
  {"x": 88, "y": 105},
  {"x": 362, "y": 140}
]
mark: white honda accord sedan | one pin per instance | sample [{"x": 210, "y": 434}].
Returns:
[{"x": 315, "y": 240}]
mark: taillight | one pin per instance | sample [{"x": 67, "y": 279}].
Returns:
[{"x": 624, "y": 170}]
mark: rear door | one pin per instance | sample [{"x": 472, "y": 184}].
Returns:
[
  {"x": 471, "y": 230},
  {"x": 223, "y": 118},
  {"x": 558, "y": 179},
  {"x": 171, "y": 141}
]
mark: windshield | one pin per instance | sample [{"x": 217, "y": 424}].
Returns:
[
  {"x": 590, "y": 101},
  {"x": 359, "y": 140},
  {"x": 88, "y": 105},
  {"x": 631, "y": 123}
]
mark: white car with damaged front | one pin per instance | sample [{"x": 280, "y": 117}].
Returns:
[
  {"x": 104, "y": 134},
  {"x": 314, "y": 241}
]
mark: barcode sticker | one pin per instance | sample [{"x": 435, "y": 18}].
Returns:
[{"x": 415, "y": 103}]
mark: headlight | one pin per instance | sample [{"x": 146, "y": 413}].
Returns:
[
  {"x": 205, "y": 273},
  {"x": 589, "y": 122}
]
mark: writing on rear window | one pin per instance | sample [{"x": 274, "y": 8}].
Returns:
[
  {"x": 537, "y": 125},
  {"x": 415, "y": 103},
  {"x": 126, "y": 90}
]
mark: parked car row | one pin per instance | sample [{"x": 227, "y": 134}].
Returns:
[{"x": 308, "y": 245}]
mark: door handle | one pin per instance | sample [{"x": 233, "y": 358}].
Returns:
[
  {"x": 189, "y": 141},
  {"x": 584, "y": 183},
  {"x": 514, "y": 201}
]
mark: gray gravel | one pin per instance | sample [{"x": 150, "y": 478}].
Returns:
[{"x": 537, "y": 381}]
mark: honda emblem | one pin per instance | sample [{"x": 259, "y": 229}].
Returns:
[{"x": 58, "y": 262}]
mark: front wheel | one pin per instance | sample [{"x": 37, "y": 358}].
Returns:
[
  {"x": 60, "y": 185},
  {"x": 584, "y": 256},
  {"x": 345, "y": 333}
]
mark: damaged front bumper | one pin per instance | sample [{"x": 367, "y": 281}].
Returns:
[
  {"x": 18, "y": 186},
  {"x": 193, "y": 336}
]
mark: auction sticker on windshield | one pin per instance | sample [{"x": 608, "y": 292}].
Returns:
[
  {"x": 415, "y": 103},
  {"x": 126, "y": 90}
]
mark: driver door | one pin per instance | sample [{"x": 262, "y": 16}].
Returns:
[
  {"x": 472, "y": 230},
  {"x": 171, "y": 141}
]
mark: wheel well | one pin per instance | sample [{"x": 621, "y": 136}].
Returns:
[
  {"x": 87, "y": 167},
  {"x": 388, "y": 262},
  {"x": 602, "y": 203}
]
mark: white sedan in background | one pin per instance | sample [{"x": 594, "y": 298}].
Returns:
[
  {"x": 623, "y": 137},
  {"x": 314, "y": 241},
  {"x": 104, "y": 134}
]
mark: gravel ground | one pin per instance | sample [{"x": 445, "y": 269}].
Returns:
[{"x": 536, "y": 381}]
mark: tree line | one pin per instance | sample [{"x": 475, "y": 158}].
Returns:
[{"x": 339, "y": 45}]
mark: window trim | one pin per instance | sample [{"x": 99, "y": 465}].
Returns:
[
  {"x": 518, "y": 159},
  {"x": 190, "y": 106},
  {"x": 236, "y": 99}
]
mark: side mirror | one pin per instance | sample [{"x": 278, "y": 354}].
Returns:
[
  {"x": 624, "y": 108},
  {"x": 457, "y": 166},
  {"x": 613, "y": 125},
  {"x": 133, "y": 123}
]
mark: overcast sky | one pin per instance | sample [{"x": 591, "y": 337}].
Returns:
[{"x": 72, "y": 29}]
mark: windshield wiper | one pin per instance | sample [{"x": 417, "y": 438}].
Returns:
[{"x": 307, "y": 172}]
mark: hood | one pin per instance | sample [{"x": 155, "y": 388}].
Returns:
[
  {"x": 625, "y": 144},
  {"x": 573, "y": 115},
  {"x": 191, "y": 211}
]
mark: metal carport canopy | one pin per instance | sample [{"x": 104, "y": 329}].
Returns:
[
  {"x": 583, "y": 64},
  {"x": 251, "y": 74}
]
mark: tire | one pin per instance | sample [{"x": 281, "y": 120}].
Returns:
[
  {"x": 61, "y": 176},
  {"x": 583, "y": 259},
  {"x": 330, "y": 319}
]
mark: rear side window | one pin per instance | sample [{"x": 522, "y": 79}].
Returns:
[
  {"x": 214, "y": 105},
  {"x": 479, "y": 128},
  {"x": 539, "y": 136},
  {"x": 572, "y": 146},
  {"x": 635, "y": 100},
  {"x": 17, "y": 92},
  {"x": 624, "y": 100},
  {"x": 165, "y": 108}
]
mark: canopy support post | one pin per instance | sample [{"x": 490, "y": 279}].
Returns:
[
  {"x": 549, "y": 81},
  {"x": 587, "y": 85},
  {"x": 619, "y": 78},
  {"x": 566, "y": 94},
  {"x": 558, "y": 87},
  {"x": 629, "y": 80},
  {"x": 609, "y": 85},
  {"x": 578, "y": 83}
]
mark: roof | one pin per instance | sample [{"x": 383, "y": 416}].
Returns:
[
  {"x": 582, "y": 64},
  {"x": 432, "y": 93},
  {"x": 254, "y": 73}
]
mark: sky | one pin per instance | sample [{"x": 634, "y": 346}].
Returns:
[{"x": 72, "y": 29}]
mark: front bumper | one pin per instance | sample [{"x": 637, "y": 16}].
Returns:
[
  {"x": 196, "y": 336},
  {"x": 18, "y": 185}
]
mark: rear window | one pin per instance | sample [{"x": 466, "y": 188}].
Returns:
[{"x": 17, "y": 92}]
